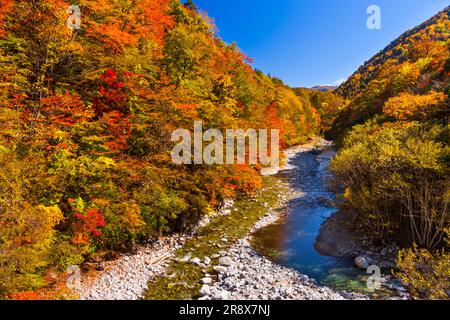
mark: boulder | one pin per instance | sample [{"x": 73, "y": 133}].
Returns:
[{"x": 362, "y": 262}]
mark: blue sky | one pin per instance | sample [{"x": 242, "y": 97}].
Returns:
[{"x": 312, "y": 42}]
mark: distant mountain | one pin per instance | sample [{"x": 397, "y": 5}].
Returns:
[{"x": 324, "y": 88}]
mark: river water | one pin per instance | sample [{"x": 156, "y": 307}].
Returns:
[{"x": 290, "y": 242}]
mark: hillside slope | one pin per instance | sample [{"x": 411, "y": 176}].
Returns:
[{"x": 417, "y": 62}]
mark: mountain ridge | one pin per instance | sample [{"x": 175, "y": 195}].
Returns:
[
  {"x": 417, "y": 62},
  {"x": 345, "y": 89}
]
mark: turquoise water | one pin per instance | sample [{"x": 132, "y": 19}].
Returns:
[{"x": 290, "y": 242}]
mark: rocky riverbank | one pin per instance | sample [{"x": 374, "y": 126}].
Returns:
[
  {"x": 234, "y": 272},
  {"x": 126, "y": 277},
  {"x": 340, "y": 238},
  {"x": 242, "y": 274}
]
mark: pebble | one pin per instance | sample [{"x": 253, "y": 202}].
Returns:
[
  {"x": 186, "y": 258},
  {"x": 207, "y": 280},
  {"x": 220, "y": 269},
  {"x": 225, "y": 261},
  {"x": 222, "y": 295},
  {"x": 126, "y": 278},
  {"x": 205, "y": 290}
]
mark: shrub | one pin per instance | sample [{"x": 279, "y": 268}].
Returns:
[
  {"x": 427, "y": 274},
  {"x": 395, "y": 177}
]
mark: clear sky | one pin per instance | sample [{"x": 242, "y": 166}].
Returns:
[{"x": 313, "y": 42}]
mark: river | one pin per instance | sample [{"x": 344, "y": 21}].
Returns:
[{"x": 291, "y": 241}]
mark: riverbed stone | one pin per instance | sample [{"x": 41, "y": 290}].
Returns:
[
  {"x": 225, "y": 261},
  {"x": 186, "y": 258},
  {"x": 220, "y": 269},
  {"x": 362, "y": 262},
  {"x": 222, "y": 295},
  {"x": 205, "y": 290},
  {"x": 207, "y": 280}
]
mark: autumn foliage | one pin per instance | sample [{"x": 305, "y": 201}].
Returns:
[
  {"x": 413, "y": 67},
  {"x": 88, "y": 225},
  {"x": 86, "y": 117},
  {"x": 407, "y": 106}
]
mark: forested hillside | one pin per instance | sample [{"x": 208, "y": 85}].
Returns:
[
  {"x": 394, "y": 154},
  {"x": 86, "y": 117},
  {"x": 328, "y": 105},
  {"x": 417, "y": 62}
]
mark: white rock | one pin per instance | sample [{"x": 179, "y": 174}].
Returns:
[
  {"x": 207, "y": 280},
  {"x": 225, "y": 261},
  {"x": 205, "y": 290},
  {"x": 222, "y": 295},
  {"x": 207, "y": 260},
  {"x": 186, "y": 258},
  {"x": 196, "y": 261},
  {"x": 220, "y": 269}
]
